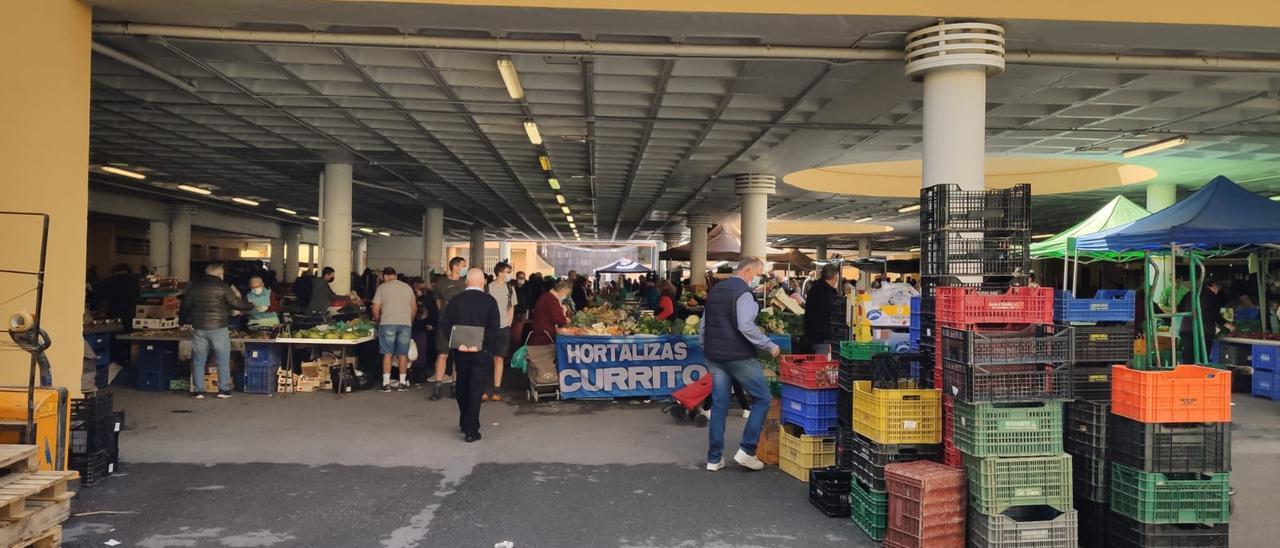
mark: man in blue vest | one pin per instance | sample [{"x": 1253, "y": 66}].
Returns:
[{"x": 731, "y": 341}]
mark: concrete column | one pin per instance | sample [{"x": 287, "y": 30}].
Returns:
[
  {"x": 504, "y": 250},
  {"x": 277, "y": 256},
  {"x": 864, "y": 252},
  {"x": 954, "y": 61},
  {"x": 754, "y": 191},
  {"x": 159, "y": 236},
  {"x": 670, "y": 239},
  {"x": 433, "y": 239},
  {"x": 180, "y": 241},
  {"x": 293, "y": 243},
  {"x": 360, "y": 260},
  {"x": 311, "y": 257},
  {"x": 698, "y": 225},
  {"x": 820, "y": 253},
  {"x": 477, "y": 247},
  {"x": 336, "y": 226}
]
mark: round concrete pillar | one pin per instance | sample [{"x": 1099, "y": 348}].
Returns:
[
  {"x": 336, "y": 224},
  {"x": 698, "y": 225},
  {"x": 180, "y": 241},
  {"x": 754, "y": 191},
  {"x": 158, "y": 235}
]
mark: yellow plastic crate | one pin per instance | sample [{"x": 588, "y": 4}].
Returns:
[
  {"x": 806, "y": 451},
  {"x": 793, "y": 469},
  {"x": 901, "y": 416}
]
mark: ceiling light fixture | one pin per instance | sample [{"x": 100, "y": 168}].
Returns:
[
  {"x": 1276, "y": 197},
  {"x": 195, "y": 189},
  {"x": 1041, "y": 236},
  {"x": 245, "y": 201},
  {"x": 384, "y": 233},
  {"x": 286, "y": 211},
  {"x": 531, "y": 128},
  {"x": 568, "y": 218},
  {"x": 913, "y": 250},
  {"x": 123, "y": 172},
  {"x": 863, "y": 220},
  {"x": 1155, "y": 147},
  {"x": 510, "y": 79},
  {"x": 555, "y": 183},
  {"x": 573, "y": 227},
  {"x": 314, "y": 218},
  {"x": 559, "y": 198},
  {"x": 565, "y": 209},
  {"x": 545, "y": 162},
  {"x": 909, "y": 209},
  {"x": 366, "y": 230}
]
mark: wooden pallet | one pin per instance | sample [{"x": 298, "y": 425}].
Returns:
[
  {"x": 17, "y": 461},
  {"x": 51, "y": 538},
  {"x": 40, "y": 486},
  {"x": 42, "y": 516}
]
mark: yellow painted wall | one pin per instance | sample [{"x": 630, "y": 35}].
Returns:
[
  {"x": 1248, "y": 13},
  {"x": 44, "y": 148}
]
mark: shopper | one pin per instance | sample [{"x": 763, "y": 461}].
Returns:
[
  {"x": 473, "y": 307},
  {"x": 666, "y": 301},
  {"x": 579, "y": 290},
  {"x": 207, "y": 306},
  {"x": 446, "y": 289},
  {"x": 424, "y": 330},
  {"x": 548, "y": 315},
  {"x": 817, "y": 311},
  {"x": 505, "y": 296},
  {"x": 321, "y": 294},
  {"x": 1210, "y": 319},
  {"x": 302, "y": 289},
  {"x": 731, "y": 341},
  {"x": 394, "y": 306}
]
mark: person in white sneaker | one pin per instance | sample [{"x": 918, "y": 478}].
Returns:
[
  {"x": 394, "y": 306},
  {"x": 731, "y": 341}
]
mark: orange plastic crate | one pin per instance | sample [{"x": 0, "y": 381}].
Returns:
[{"x": 1187, "y": 393}]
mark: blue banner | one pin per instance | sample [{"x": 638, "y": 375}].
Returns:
[{"x": 619, "y": 367}]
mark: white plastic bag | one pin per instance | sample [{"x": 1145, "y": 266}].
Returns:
[{"x": 413, "y": 350}]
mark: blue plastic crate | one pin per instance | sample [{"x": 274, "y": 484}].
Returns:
[
  {"x": 915, "y": 313},
  {"x": 151, "y": 382},
  {"x": 812, "y": 410},
  {"x": 98, "y": 341},
  {"x": 259, "y": 379},
  {"x": 783, "y": 342},
  {"x": 1265, "y": 384},
  {"x": 1266, "y": 357},
  {"x": 157, "y": 357},
  {"x": 1107, "y": 305},
  {"x": 261, "y": 354}
]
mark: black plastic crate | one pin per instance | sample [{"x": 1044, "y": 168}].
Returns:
[
  {"x": 961, "y": 254},
  {"x": 948, "y": 207},
  {"x": 844, "y": 408},
  {"x": 91, "y": 436},
  {"x": 845, "y": 448},
  {"x": 1130, "y": 533},
  {"x": 1091, "y": 381},
  {"x": 888, "y": 371},
  {"x": 95, "y": 467},
  {"x": 1087, "y": 433},
  {"x": 1094, "y": 517},
  {"x": 1001, "y": 383},
  {"x": 829, "y": 491},
  {"x": 1029, "y": 344},
  {"x": 870, "y": 458},
  {"x": 853, "y": 370},
  {"x": 94, "y": 405},
  {"x": 1091, "y": 476},
  {"x": 1171, "y": 447},
  {"x": 1112, "y": 344}
]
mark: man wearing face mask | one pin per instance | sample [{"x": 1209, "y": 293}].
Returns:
[{"x": 732, "y": 340}]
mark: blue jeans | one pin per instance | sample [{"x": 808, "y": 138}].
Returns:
[
  {"x": 750, "y": 375},
  {"x": 203, "y": 342},
  {"x": 394, "y": 339}
]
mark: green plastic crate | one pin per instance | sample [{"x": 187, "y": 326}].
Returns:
[
  {"x": 869, "y": 510},
  {"x": 861, "y": 351},
  {"x": 999, "y": 483},
  {"x": 1151, "y": 497},
  {"x": 1019, "y": 429}
]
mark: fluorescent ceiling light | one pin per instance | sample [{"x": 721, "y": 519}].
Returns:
[
  {"x": 555, "y": 183},
  {"x": 531, "y": 128},
  {"x": 913, "y": 250},
  {"x": 909, "y": 209},
  {"x": 545, "y": 162},
  {"x": 1041, "y": 236},
  {"x": 1155, "y": 147},
  {"x": 573, "y": 226},
  {"x": 559, "y": 198},
  {"x": 314, "y": 218},
  {"x": 195, "y": 189},
  {"x": 510, "y": 79},
  {"x": 578, "y": 238},
  {"x": 124, "y": 172},
  {"x": 384, "y": 233},
  {"x": 1276, "y": 197},
  {"x": 565, "y": 209},
  {"x": 568, "y": 218},
  {"x": 863, "y": 220},
  {"x": 245, "y": 201},
  {"x": 366, "y": 230},
  {"x": 286, "y": 211}
]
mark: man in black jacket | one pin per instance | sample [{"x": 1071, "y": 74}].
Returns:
[
  {"x": 207, "y": 306},
  {"x": 1210, "y": 316},
  {"x": 472, "y": 307},
  {"x": 817, "y": 311}
]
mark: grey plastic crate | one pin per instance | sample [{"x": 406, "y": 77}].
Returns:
[{"x": 1024, "y": 527}]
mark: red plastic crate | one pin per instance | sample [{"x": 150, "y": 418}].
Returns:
[
  {"x": 809, "y": 371},
  {"x": 1186, "y": 393},
  {"x": 1018, "y": 305},
  {"x": 927, "y": 504},
  {"x": 951, "y": 456}
]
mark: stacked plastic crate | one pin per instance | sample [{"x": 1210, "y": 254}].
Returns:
[
  {"x": 1104, "y": 333},
  {"x": 95, "y": 437},
  {"x": 1009, "y": 368},
  {"x": 926, "y": 505},
  {"x": 892, "y": 422},
  {"x": 1170, "y": 436},
  {"x": 1265, "y": 358},
  {"x": 261, "y": 366},
  {"x": 809, "y": 395}
]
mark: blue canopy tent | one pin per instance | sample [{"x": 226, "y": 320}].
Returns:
[{"x": 1220, "y": 217}]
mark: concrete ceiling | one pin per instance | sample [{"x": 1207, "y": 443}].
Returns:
[{"x": 637, "y": 142}]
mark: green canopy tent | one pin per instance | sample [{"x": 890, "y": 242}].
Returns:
[{"x": 1118, "y": 211}]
